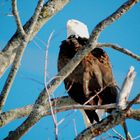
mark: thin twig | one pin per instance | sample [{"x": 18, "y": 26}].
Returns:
[
  {"x": 75, "y": 129},
  {"x": 97, "y": 93},
  {"x": 127, "y": 134},
  {"x": 120, "y": 49},
  {"x": 31, "y": 79},
  {"x": 17, "y": 17},
  {"x": 42, "y": 41},
  {"x": 118, "y": 134},
  {"x": 67, "y": 117},
  {"x": 133, "y": 102},
  {"x": 38, "y": 45},
  {"x": 111, "y": 136},
  {"x": 45, "y": 83},
  {"x": 137, "y": 137},
  {"x": 102, "y": 126}
]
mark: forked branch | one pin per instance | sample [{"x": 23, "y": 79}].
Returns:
[
  {"x": 19, "y": 54},
  {"x": 17, "y": 18},
  {"x": 50, "y": 8},
  {"x": 61, "y": 104},
  {"x": 37, "y": 112}
]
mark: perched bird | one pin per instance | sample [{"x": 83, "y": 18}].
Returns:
[{"x": 92, "y": 81}]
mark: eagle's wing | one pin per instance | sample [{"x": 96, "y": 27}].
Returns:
[
  {"x": 99, "y": 85},
  {"x": 109, "y": 92},
  {"x": 92, "y": 76}
]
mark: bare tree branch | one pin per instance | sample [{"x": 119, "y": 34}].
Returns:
[
  {"x": 118, "y": 134},
  {"x": 107, "y": 123},
  {"x": 98, "y": 128},
  {"x": 133, "y": 101},
  {"x": 126, "y": 88},
  {"x": 12, "y": 74},
  {"x": 107, "y": 21},
  {"x": 17, "y": 59},
  {"x": 36, "y": 114},
  {"x": 118, "y": 48},
  {"x": 7, "y": 117},
  {"x": 17, "y": 17},
  {"x": 50, "y": 8},
  {"x": 16, "y": 62},
  {"x": 35, "y": 17},
  {"x": 61, "y": 104},
  {"x": 134, "y": 114},
  {"x": 45, "y": 83}
]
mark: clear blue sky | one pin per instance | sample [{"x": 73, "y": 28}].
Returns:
[{"x": 125, "y": 32}]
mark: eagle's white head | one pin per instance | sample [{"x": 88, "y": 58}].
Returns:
[{"x": 75, "y": 27}]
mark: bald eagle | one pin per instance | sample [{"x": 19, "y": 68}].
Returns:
[{"x": 92, "y": 81}]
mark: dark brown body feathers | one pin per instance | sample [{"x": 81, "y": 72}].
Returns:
[{"x": 92, "y": 76}]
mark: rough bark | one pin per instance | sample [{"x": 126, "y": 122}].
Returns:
[
  {"x": 49, "y": 9},
  {"x": 59, "y": 104},
  {"x": 37, "y": 112}
]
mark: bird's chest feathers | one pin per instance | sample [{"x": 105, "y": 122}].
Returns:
[{"x": 85, "y": 71}]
